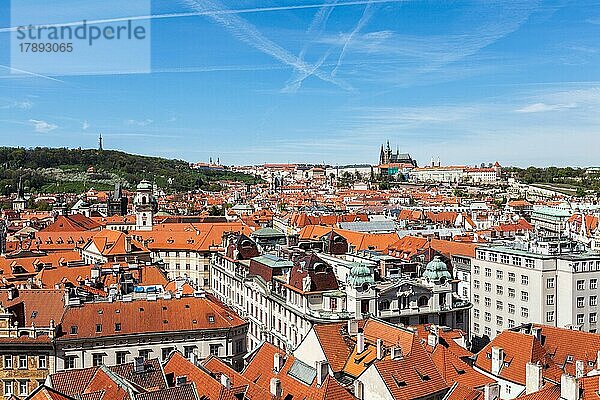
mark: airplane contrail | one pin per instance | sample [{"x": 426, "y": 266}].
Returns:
[
  {"x": 367, "y": 14},
  {"x": 318, "y": 22},
  {"x": 247, "y": 33},
  {"x": 214, "y": 12},
  {"x": 294, "y": 85},
  {"x": 21, "y": 71}
]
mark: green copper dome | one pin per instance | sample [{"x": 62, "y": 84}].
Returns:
[
  {"x": 436, "y": 271},
  {"x": 359, "y": 275}
]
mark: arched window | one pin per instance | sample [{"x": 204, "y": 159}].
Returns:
[
  {"x": 143, "y": 199},
  {"x": 423, "y": 300},
  {"x": 384, "y": 305}
]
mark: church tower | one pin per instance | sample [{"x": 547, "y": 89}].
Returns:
[
  {"x": 19, "y": 203},
  {"x": 143, "y": 205}
]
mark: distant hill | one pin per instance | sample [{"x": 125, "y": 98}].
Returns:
[
  {"x": 568, "y": 180},
  {"x": 56, "y": 170}
]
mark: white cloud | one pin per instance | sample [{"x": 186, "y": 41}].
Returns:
[
  {"x": 135, "y": 122},
  {"x": 43, "y": 126},
  {"x": 543, "y": 107},
  {"x": 23, "y": 105},
  {"x": 85, "y": 125},
  {"x": 20, "y": 105}
]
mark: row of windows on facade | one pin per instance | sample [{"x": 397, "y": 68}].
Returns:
[
  {"x": 176, "y": 254},
  {"x": 23, "y": 387},
  {"x": 500, "y": 275},
  {"x": 550, "y": 282},
  {"x": 499, "y": 319},
  {"x": 500, "y": 291},
  {"x": 593, "y": 265},
  {"x": 262, "y": 300},
  {"x": 592, "y": 300},
  {"x": 23, "y": 362},
  {"x": 70, "y": 361},
  {"x": 488, "y": 331},
  {"x": 404, "y": 303},
  {"x": 506, "y": 259},
  {"x": 580, "y": 318},
  {"x": 511, "y": 310}
]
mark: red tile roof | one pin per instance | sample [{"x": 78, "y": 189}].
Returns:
[
  {"x": 412, "y": 377},
  {"x": 72, "y": 223},
  {"x": 35, "y": 306},
  {"x": 143, "y": 316},
  {"x": 260, "y": 370}
]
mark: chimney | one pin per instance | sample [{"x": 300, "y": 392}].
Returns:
[
  {"x": 322, "y": 368},
  {"x": 359, "y": 390},
  {"x": 579, "y": 369},
  {"x": 380, "y": 349},
  {"x": 13, "y": 293},
  {"x": 127, "y": 244},
  {"x": 536, "y": 331},
  {"x": 306, "y": 283},
  {"x": 569, "y": 388},
  {"x": 533, "y": 377},
  {"x": 275, "y": 387},
  {"x": 352, "y": 327},
  {"x": 225, "y": 381},
  {"x": 396, "y": 353},
  {"x": 497, "y": 359},
  {"x": 138, "y": 365},
  {"x": 360, "y": 342},
  {"x": 491, "y": 391},
  {"x": 432, "y": 339},
  {"x": 277, "y": 362}
]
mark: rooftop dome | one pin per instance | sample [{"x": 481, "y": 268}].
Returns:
[
  {"x": 436, "y": 271},
  {"x": 359, "y": 275}
]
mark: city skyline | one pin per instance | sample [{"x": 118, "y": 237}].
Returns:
[{"x": 329, "y": 82}]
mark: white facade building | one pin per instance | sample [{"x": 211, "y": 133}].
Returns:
[{"x": 511, "y": 287}]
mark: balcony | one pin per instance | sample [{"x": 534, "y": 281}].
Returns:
[{"x": 328, "y": 315}]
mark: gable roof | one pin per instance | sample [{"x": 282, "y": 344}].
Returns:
[
  {"x": 413, "y": 376},
  {"x": 35, "y": 306},
  {"x": 72, "y": 223},
  {"x": 292, "y": 376},
  {"x": 360, "y": 240},
  {"x": 519, "y": 349},
  {"x": 143, "y": 316}
]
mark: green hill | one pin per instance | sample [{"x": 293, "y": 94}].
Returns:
[{"x": 56, "y": 170}]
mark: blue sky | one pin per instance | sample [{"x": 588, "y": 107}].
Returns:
[{"x": 327, "y": 80}]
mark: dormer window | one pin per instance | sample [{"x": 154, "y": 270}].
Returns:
[
  {"x": 98, "y": 328},
  {"x": 73, "y": 330}
]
